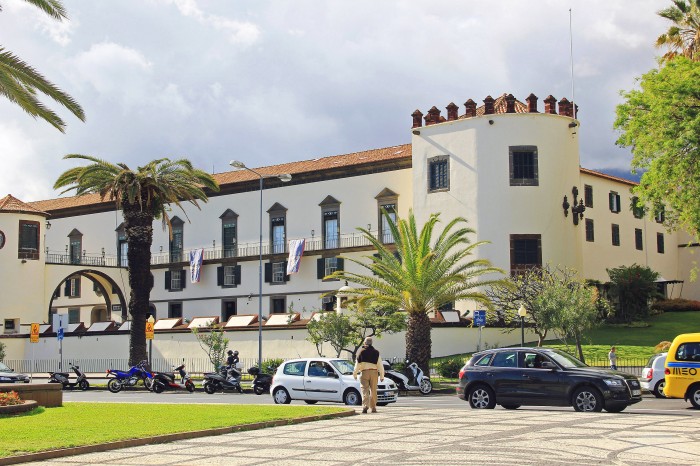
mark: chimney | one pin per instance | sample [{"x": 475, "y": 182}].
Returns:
[
  {"x": 488, "y": 105},
  {"x": 510, "y": 103},
  {"x": 417, "y": 119},
  {"x": 531, "y": 103},
  {"x": 565, "y": 107},
  {"x": 433, "y": 116},
  {"x": 550, "y": 105},
  {"x": 452, "y": 111},
  {"x": 470, "y": 105}
]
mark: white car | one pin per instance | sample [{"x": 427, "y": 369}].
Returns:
[
  {"x": 652, "y": 378},
  {"x": 324, "y": 379}
]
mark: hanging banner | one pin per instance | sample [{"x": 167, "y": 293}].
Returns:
[
  {"x": 196, "y": 264},
  {"x": 296, "y": 250}
]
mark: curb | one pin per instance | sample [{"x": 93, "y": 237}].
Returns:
[{"x": 51, "y": 454}]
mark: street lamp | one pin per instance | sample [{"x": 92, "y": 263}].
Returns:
[
  {"x": 522, "y": 312},
  {"x": 285, "y": 177}
]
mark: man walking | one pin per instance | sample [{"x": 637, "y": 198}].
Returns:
[
  {"x": 612, "y": 356},
  {"x": 370, "y": 365}
]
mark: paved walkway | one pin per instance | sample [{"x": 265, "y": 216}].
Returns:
[{"x": 402, "y": 435}]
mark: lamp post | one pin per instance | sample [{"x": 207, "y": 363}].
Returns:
[
  {"x": 285, "y": 177},
  {"x": 522, "y": 312}
]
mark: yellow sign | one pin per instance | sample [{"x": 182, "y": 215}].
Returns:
[
  {"x": 34, "y": 333},
  {"x": 149, "y": 330}
]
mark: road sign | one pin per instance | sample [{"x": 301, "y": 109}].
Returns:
[
  {"x": 480, "y": 318},
  {"x": 59, "y": 334},
  {"x": 34, "y": 333},
  {"x": 149, "y": 330}
]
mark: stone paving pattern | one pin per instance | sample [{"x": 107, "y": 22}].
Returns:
[{"x": 419, "y": 436}]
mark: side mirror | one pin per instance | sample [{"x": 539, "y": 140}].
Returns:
[
  {"x": 548, "y": 365},
  {"x": 332, "y": 375}
]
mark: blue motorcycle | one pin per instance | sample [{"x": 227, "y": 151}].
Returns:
[{"x": 121, "y": 379}]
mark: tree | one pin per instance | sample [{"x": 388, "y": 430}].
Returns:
[
  {"x": 20, "y": 83},
  {"x": 346, "y": 332},
  {"x": 632, "y": 288},
  {"x": 661, "y": 123},
  {"x": 214, "y": 343},
  {"x": 144, "y": 194},
  {"x": 2, "y": 351},
  {"x": 683, "y": 37},
  {"x": 419, "y": 274}
]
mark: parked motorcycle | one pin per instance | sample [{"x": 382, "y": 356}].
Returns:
[
  {"x": 412, "y": 378},
  {"x": 63, "y": 378},
  {"x": 228, "y": 378},
  {"x": 166, "y": 380},
  {"x": 121, "y": 379},
  {"x": 262, "y": 381}
]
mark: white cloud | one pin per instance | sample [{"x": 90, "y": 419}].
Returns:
[
  {"x": 19, "y": 153},
  {"x": 239, "y": 32},
  {"x": 59, "y": 31}
]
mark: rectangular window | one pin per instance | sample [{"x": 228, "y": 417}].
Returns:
[
  {"x": 174, "y": 310},
  {"x": 614, "y": 201},
  {"x": 525, "y": 252},
  {"x": 229, "y": 239},
  {"x": 615, "y": 235},
  {"x": 28, "y": 240},
  {"x": 637, "y": 209},
  {"x": 75, "y": 251},
  {"x": 278, "y": 305},
  {"x": 523, "y": 166},
  {"x": 660, "y": 215},
  {"x": 439, "y": 173},
  {"x": 328, "y": 303},
  {"x": 278, "y": 239},
  {"x": 590, "y": 235},
  {"x": 72, "y": 289},
  {"x": 229, "y": 275},
  {"x": 278, "y": 272},
  {"x": 660, "y": 243},
  {"x": 176, "y": 245},
  {"x": 638, "y": 239},
  {"x": 330, "y": 265},
  {"x": 123, "y": 252},
  {"x": 10, "y": 326},
  {"x": 385, "y": 232},
  {"x": 331, "y": 231},
  {"x": 73, "y": 316},
  {"x": 588, "y": 195},
  {"x": 175, "y": 279},
  {"x": 228, "y": 309}
]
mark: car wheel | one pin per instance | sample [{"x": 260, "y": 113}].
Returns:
[
  {"x": 352, "y": 398},
  {"x": 615, "y": 409},
  {"x": 482, "y": 397},
  {"x": 587, "y": 399},
  {"x": 658, "y": 390},
  {"x": 310, "y": 402},
  {"x": 510, "y": 406},
  {"x": 209, "y": 388},
  {"x": 694, "y": 396},
  {"x": 426, "y": 386},
  {"x": 281, "y": 396},
  {"x": 114, "y": 385},
  {"x": 84, "y": 385}
]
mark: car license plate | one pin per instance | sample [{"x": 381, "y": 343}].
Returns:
[
  {"x": 389, "y": 393},
  {"x": 636, "y": 392}
]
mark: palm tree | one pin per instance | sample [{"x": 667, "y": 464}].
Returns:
[
  {"x": 20, "y": 83},
  {"x": 683, "y": 37},
  {"x": 143, "y": 195},
  {"x": 421, "y": 275}
]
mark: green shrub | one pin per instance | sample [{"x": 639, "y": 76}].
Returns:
[
  {"x": 270, "y": 366},
  {"x": 676, "y": 305},
  {"x": 449, "y": 368}
]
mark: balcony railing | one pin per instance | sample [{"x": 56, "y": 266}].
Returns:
[{"x": 92, "y": 260}]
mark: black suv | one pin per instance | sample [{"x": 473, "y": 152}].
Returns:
[{"x": 512, "y": 377}]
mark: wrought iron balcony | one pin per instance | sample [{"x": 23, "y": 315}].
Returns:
[{"x": 92, "y": 260}]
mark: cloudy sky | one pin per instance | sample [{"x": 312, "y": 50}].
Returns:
[{"x": 277, "y": 81}]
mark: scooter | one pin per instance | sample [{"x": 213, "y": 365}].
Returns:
[
  {"x": 262, "y": 381},
  {"x": 166, "y": 381},
  {"x": 133, "y": 376},
  {"x": 228, "y": 378},
  {"x": 62, "y": 377},
  {"x": 411, "y": 378}
]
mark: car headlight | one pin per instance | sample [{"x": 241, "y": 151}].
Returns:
[{"x": 613, "y": 382}]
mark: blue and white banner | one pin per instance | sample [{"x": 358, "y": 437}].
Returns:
[
  {"x": 296, "y": 250},
  {"x": 195, "y": 264}
]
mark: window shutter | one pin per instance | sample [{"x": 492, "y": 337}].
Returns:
[
  {"x": 237, "y": 278},
  {"x": 340, "y": 263},
  {"x": 66, "y": 292},
  {"x": 286, "y": 275},
  {"x": 617, "y": 199},
  {"x": 183, "y": 279},
  {"x": 77, "y": 286},
  {"x": 320, "y": 268},
  {"x": 611, "y": 201},
  {"x": 219, "y": 276},
  {"x": 268, "y": 272},
  {"x": 167, "y": 279}
]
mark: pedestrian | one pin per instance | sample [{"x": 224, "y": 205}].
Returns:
[
  {"x": 612, "y": 356},
  {"x": 369, "y": 364}
]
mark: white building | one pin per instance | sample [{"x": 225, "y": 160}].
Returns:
[{"x": 511, "y": 170}]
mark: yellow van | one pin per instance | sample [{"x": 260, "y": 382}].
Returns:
[{"x": 682, "y": 369}]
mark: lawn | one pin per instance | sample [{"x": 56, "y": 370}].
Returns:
[{"x": 78, "y": 424}]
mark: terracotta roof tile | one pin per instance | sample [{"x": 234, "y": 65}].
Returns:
[
  {"x": 499, "y": 106},
  {"x": 10, "y": 203}
]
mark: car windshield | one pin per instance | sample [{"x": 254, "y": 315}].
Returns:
[
  {"x": 343, "y": 366},
  {"x": 565, "y": 359},
  {"x": 4, "y": 368}
]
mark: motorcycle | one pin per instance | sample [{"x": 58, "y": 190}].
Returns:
[
  {"x": 411, "y": 378},
  {"x": 166, "y": 381},
  {"x": 228, "y": 378},
  {"x": 121, "y": 379},
  {"x": 63, "y": 378},
  {"x": 262, "y": 381}
]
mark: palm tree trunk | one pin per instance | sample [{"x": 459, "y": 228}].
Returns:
[
  {"x": 418, "y": 342},
  {"x": 138, "y": 225}
]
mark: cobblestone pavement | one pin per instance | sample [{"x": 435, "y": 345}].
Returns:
[{"x": 419, "y": 436}]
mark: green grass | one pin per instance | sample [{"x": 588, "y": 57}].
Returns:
[{"x": 78, "y": 424}]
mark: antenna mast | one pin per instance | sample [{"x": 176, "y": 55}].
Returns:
[{"x": 571, "y": 53}]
